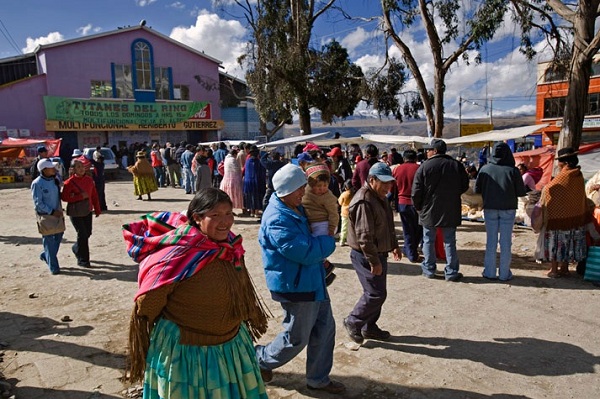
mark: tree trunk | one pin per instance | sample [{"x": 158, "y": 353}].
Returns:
[
  {"x": 304, "y": 115},
  {"x": 438, "y": 102}
]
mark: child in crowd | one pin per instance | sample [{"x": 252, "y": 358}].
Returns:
[
  {"x": 321, "y": 207},
  {"x": 344, "y": 201}
]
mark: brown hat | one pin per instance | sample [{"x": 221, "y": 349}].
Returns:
[
  {"x": 566, "y": 153},
  {"x": 141, "y": 154}
]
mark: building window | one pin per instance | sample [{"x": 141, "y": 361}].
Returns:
[
  {"x": 554, "y": 75},
  {"x": 100, "y": 89},
  {"x": 555, "y": 107},
  {"x": 143, "y": 66},
  {"x": 123, "y": 81},
  {"x": 181, "y": 92},
  {"x": 161, "y": 82}
]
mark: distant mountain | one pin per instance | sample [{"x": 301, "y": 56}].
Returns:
[{"x": 355, "y": 127}]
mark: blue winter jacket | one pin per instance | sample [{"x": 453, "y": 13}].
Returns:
[{"x": 292, "y": 257}]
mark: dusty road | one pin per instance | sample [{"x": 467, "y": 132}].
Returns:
[{"x": 532, "y": 338}]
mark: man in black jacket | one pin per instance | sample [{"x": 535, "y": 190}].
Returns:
[
  {"x": 438, "y": 185},
  {"x": 42, "y": 153}
]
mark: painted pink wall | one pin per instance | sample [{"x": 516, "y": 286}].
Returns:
[
  {"x": 23, "y": 105},
  {"x": 70, "y": 68}
]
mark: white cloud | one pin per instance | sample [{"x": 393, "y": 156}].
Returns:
[
  {"x": 144, "y": 3},
  {"x": 355, "y": 39},
  {"x": 178, "y": 4},
  {"x": 31, "y": 43},
  {"x": 217, "y": 37},
  {"x": 87, "y": 29}
]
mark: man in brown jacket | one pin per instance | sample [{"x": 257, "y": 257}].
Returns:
[{"x": 371, "y": 235}]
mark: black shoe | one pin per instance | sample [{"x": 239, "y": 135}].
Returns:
[
  {"x": 329, "y": 267},
  {"x": 267, "y": 375},
  {"x": 376, "y": 333},
  {"x": 455, "y": 278},
  {"x": 333, "y": 387},
  {"x": 353, "y": 333},
  {"x": 329, "y": 279},
  {"x": 84, "y": 264}
]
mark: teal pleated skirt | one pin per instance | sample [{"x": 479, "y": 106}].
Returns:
[{"x": 226, "y": 371}]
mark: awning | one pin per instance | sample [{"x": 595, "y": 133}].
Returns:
[
  {"x": 292, "y": 140},
  {"x": 392, "y": 139},
  {"x": 496, "y": 135}
]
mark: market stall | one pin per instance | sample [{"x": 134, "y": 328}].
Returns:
[{"x": 17, "y": 155}]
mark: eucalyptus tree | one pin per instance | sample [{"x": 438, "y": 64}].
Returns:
[
  {"x": 454, "y": 28},
  {"x": 571, "y": 29}
]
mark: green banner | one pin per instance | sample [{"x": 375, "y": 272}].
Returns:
[{"x": 117, "y": 112}]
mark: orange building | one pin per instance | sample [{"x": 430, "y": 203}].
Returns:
[{"x": 552, "y": 90}]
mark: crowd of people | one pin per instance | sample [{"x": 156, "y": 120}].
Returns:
[{"x": 196, "y": 312}]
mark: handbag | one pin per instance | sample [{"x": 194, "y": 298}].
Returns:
[
  {"x": 592, "y": 266},
  {"x": 537, "y": 217},
  {"x": 78, "y": 208},
  {"x": 49, "y": 224}
]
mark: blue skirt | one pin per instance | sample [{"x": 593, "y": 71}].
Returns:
[{"x": 176, "y": 371}]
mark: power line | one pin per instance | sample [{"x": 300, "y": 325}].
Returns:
[{"x": 9, "y": 38}]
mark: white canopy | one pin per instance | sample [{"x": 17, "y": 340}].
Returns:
[
  {"x": 392, "y": 139},
  {"x": 292, "y": 140},
  {"x": 496, "y": 135}
]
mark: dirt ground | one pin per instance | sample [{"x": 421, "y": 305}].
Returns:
[{"x": 534, "y": 337}]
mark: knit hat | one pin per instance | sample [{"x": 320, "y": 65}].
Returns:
[
  {"x": 316, "y": 169},
  {"x": 44, "y": 163},
  {"x": 42, "y": 149},
  {"x": 288, "y": 179}
]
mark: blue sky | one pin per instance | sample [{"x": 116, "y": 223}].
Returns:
[{"x": 504, "y": 76}]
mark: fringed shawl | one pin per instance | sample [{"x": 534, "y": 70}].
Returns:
[
  {"x": 564, "y": 200},
  {"x": 169, "y": 249}
]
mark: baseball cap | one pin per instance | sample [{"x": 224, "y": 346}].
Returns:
[
  {"x": 304, "y": 157},
  {"x": 77, "y": 153},
  {"x": 382, "y": 172},
  {"x": 335, "y": 152},
  {"x": 436, "y": 144},
  {"x": 44, "y": 163}
]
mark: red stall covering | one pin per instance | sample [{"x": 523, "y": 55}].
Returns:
[
  {"x": 544, "y": 158},
  {"x": 53, "y": 145}
]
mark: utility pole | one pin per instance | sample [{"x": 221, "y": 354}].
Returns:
[
  {"x": 460, "y": 116},
  {"x": 491, "y": 120}
]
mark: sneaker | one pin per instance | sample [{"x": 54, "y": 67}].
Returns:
[
  {"x": 376, "y": 334},
  {"x": 353, "y": 333},
  {"x": 455, "y": 278},
  {"x": 267, "y": 375},
  {"x": 429, "y": 276},
  {"x": 333, "y": 387}
]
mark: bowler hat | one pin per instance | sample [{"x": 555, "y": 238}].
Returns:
[
  {"x": 566, "y": 153},
  {"x": 141, "y": 154}
]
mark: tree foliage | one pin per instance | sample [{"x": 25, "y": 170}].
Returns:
[
  {"x": 286, "y": 74},
  {"x": 454, "y": 29}
]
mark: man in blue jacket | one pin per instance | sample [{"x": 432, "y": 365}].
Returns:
[{"x": 293, "y": 263}]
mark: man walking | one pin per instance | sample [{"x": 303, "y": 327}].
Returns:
[
  {"x": 438, "y": 185},
  {"x": 499, "y": 183},
  {"x": 293, "y": 262},
  {"x": 413, "y": 231},
  {"x": 371, "y": 235},
  {"x": 186, "y": 167}
]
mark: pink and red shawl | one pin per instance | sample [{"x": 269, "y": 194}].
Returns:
[{"x": 169, "y": 249}]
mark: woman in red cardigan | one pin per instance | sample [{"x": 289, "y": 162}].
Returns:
[{"x": 80, "y": 187}]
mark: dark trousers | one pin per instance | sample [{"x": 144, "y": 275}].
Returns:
[
  {"x": 367, "y": 310},
  {"x": 83, "y": 227},
  {"x": 413, "y": 231},
  {"x": 267, "y": 197}
]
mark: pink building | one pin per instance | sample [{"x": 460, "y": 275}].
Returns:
[{"x": 120, "y": 87}]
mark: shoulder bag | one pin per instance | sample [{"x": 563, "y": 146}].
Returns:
[
  {"x": 49, "y": 224},
  {"x": 78, "y": 208}
]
